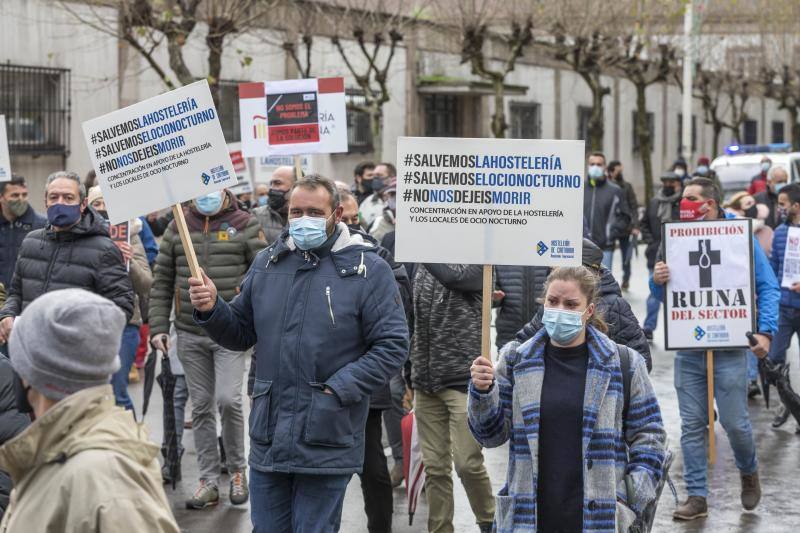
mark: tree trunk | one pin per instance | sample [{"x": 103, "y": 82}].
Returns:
[
  {"x": 596, "y": 125},
  {"x": 499, "y": 125},
  {"x": 795, "y": 127},
  {"x": 376, "y": 125},
  {"x": 717, "y": 127},
  {"x": 214, "y": 44},
  {"x": 645, "y": 142}
]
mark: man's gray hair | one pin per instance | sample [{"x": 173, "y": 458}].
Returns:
[
  {"x": 777, "y": 168},
  {"x": 66, "y": 175},
  {"x": 314, "y": 181}
]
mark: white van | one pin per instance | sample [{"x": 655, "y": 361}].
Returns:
[{"x": 736, "y": 170}]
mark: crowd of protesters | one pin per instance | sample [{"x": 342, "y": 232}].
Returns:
[{"x": 299, "y": 281}]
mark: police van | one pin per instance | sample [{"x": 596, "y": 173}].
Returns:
[{"x": 741, "y": 163}]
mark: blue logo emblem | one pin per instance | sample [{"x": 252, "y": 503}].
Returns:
[
  {"x": 206, "y": 178},
  {"x": 699, "y": 333},
  {"x": 541, "y": 248}
]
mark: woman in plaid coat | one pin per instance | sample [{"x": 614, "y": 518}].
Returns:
[{"x": 574, "y": 463}]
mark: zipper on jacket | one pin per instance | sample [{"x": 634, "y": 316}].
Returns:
[
  {"x": 330, "y": 306},
  {"x": 50, "y": 266}
]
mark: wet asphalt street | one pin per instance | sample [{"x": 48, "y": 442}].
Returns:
[{"x": 778, "y": 453}]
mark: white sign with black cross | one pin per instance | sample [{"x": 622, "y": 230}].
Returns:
[{"x": 709, "y": 300}]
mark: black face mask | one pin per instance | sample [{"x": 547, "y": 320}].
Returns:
[
  {"x": 355, "y": 228},
  {"x": 276, "y": 199},
  {"x": 751, "y": 212},
  {"x": 667, "y": 191},
  {"x": 366, "y": 186},
  {"x": 21, "y": 393}
]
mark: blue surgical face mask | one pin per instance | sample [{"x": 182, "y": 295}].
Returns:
[
  {"x": 62, "y": 215},
  {"x": 765, "y": 166},
  {"x": 307, "y": 232},
  {"x": 210, "y": 204},
  {"x": 596, "y": 172},
  {"x": 702, "y": 170},
  {"x": 562, "y": 326},
  {"x": 262, "y": 200},
  {"x": 779, "y": 186}
]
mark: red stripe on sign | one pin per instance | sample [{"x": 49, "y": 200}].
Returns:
[
  {"x": 251, "y": 90},
  {"x": 330, "y": 85}
]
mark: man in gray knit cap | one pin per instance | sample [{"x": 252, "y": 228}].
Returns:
[{"x": 84, "y": 460}]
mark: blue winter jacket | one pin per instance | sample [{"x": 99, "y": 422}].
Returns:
[
  {"x": 789, "y": 298},
  {"x": 768, "y": 291},
  {"x": 329, "y": 320},
  {"x": 11, "y": 236},
  {"x": 148, "y": 241}
]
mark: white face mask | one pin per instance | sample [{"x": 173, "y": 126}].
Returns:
[{"x": 680, "y": 172}]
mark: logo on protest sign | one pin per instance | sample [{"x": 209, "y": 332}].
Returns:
[
  {"x": 293, "y": 117},
  {"x": 710, "y": 296},
  {"x": 541, "y": 248}
]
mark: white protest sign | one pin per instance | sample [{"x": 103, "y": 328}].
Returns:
[
  {"x": 293, "y": 117},
  {"x": 265, "y": 166},
  {"x": 791, "y": 258},
  {"x": 709, "y": 298},
  {"x": 490, "y": 201},
  {"x": 244, "y": 183},
  {"x": 159, "y": 152},
  {"x": 5, "y": 159}
]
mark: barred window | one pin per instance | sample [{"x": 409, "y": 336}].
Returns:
[
  {"x": 584, "y": 116},
  {"x": 229, "y": 110},
  {"x": 442, "y": 115},
  {"x": 36, "y": 103},
  {"x": 526, "y": 121},
  {"x": 749, "y": 132},
  {"x": 359, "y": 130}
]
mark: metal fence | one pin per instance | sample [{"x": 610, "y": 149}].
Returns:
[{"x": 36, "y": 103}]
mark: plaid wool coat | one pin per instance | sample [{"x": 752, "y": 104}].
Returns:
[{"x": 509, "y": 411}]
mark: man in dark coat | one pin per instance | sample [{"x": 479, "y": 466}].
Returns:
[
  {"x": 517, "y": 294},
  {"x": 329, "y": 329},
  {"x": 12, "y": 422},
  {"x": 623, "y": 327},
  {"x": 73, "y": 251},
  {"x": 777, "y": 178},
  {"x": 664, "y": 207},
  {"x": 626, "y": 242},
  {"x": 605, "y": 208},
  {"x": 17, "y": 219}
]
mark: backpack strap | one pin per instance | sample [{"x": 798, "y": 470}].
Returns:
[{"x": 625, "y": 366}]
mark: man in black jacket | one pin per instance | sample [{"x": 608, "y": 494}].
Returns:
[
  {"x": 72, "y": 251},
  {"x": 605, "y": 208},
  {"x": 777, "y": 177},
  {"x": 625, "y": 242},
  {"x": 664, "y": 207},
  {"x": 623, "y": 327},
  {"x": 517, "y": 293},
  {"x": 17, "y": 219}
]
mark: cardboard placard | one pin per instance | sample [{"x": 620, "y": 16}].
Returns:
[
  {"x": 293, "y": 117},
  {"x": 5, "y": 159},
  {"x": 490, "y": 201},
  {"x": 791, "y": 258},
  {"x": 244, "y": 182},
  {"x": 159, "y": 152},
  {"x": 709, "y": 300}
]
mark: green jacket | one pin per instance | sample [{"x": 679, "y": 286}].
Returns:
[{"x": 225, "y": 244}]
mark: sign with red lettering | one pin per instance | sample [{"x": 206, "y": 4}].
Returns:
[
  {"x": 709, "y": 300},
  {"x": 120, "y": 233},
  {"x": 293, "y": 117}
]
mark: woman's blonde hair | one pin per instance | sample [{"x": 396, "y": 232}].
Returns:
[
  {"x": 736, "y": 201},
  {"x": 587, "y": 282}
]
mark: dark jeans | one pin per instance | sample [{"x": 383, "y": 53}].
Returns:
[
  {"x": 788, "y": 326},
  {"x": 296, "y": 503},
  {"x": 376, "y": 485},
  {"x": 626, "y": 247},
  {"x": 127, "y": 353}
]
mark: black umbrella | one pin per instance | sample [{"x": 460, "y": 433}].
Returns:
[
  {"x": 171, "y": 449},
  {"x": 149, "y": 379},
  {"x": 764, "y": 367}
]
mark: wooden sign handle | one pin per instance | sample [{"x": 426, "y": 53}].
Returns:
[
  {"x": 486, "y": 318},
  {"x": 298, "y": 167},
  {"x": 712, "y": 449},
  {"x": 186, "y": 240}
]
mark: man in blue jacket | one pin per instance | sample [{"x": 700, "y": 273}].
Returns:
[
  {"x": 17, "y": 219},
  {"x": 327, "y": 321},
  {"x": 701, "y": 201},
  {"x": 788, "y": 210}
]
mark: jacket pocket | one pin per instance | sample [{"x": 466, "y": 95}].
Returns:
[
  {"x": 328, "y": 422},
  {"x": 259, "y": 413}
]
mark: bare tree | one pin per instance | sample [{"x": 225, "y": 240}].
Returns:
[
  {"x": 297, "y": 24},
  {"x": 644, "y": 63},
  {"x": 147, "y": 25},
  {"x": 376, "y": 27},
  {"x": 484, "y": 23},
  {"x": 715, "y": 89}
]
